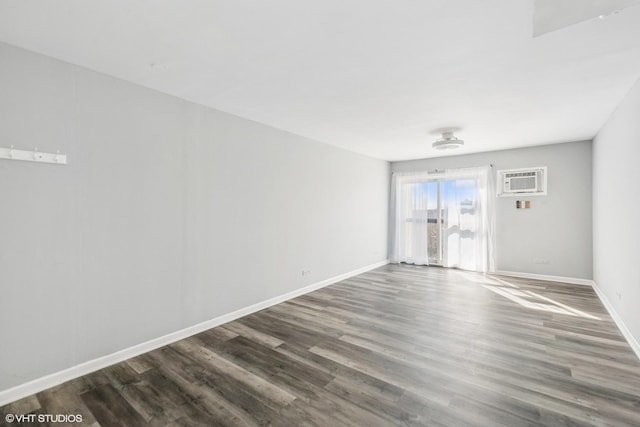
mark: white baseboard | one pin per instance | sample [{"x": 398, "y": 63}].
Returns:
[
  {"x": 52, "y": 380},
  {"x": 561, "y": 279},
  {"x": 633, "y": 342}
]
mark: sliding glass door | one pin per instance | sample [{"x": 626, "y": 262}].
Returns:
[{"x": 444, "y": 219}]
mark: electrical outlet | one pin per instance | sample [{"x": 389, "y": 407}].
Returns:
[
  {"x": 541, "y": 261},
  {"x": 306, "y": 272},
  {"x": 619, "y": 295}
]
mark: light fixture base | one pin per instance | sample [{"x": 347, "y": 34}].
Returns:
[{"x": 447, "y": 141}]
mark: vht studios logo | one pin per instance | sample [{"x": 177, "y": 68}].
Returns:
[{"x": 43, "y": 418}]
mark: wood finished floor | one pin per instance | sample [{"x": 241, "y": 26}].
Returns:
[{"x": 399, "y": 345}]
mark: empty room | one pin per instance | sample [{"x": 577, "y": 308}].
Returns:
[{"x": 336, "y": 213}]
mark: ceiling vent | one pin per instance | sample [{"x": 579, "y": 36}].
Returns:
[{"x": 447, "y": 141}]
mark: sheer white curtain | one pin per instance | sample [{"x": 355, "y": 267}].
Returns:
[
  {"x": 466, "y": 210},
  {"x": 409, "y": 216},
  {"x": 467, "y": 201}
]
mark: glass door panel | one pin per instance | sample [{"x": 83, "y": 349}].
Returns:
[
  {"x": 434, "y": 218},
  {"x": 458, "y": 200}
]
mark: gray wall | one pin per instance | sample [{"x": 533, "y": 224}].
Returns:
[
  {"x": 616, "y": 211},
  {"x": 557, "y": 230},
  {"x": 168, "y": 214}
]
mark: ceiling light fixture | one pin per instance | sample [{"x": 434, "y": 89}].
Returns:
[{"x": 447, "y": 141}]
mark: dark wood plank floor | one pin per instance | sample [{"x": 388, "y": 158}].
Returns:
[{"x": 400, "y": 345}]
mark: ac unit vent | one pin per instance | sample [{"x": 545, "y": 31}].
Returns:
[{"x": 530, "y": 181}]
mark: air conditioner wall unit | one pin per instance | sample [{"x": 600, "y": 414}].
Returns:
[{"x": 529, "y": 181}]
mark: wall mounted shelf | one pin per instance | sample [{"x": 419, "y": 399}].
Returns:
[{"x": 32, "y": 156}]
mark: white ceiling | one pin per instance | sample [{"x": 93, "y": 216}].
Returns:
[{"x": 372, "y": 76}]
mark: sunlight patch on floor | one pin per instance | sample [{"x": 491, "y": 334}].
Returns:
[{"x": 532, "y": 300}]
